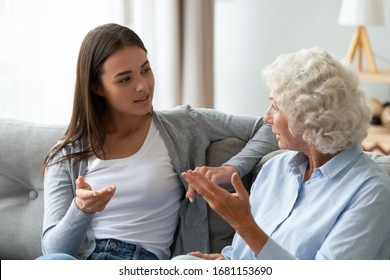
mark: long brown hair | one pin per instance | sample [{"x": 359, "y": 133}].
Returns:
[{"x": 88, "y": 107}]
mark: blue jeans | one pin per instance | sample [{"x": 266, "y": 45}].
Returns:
[
  {"x": 109, "y": 249},
  {"x": 112, "y": 249}
]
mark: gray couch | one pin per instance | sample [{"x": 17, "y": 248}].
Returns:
[{"x": 23, "y": 146}]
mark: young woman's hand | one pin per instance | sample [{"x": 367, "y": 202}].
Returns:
[
  {"x": 218, "y": 175},
  {"x": 90, "y": 201}
]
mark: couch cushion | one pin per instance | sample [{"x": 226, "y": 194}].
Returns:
[
  {"x": 221, "y": 233},
  {"x": 23, "y": 146}
]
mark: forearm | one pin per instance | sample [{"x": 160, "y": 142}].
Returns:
[
  {"x": 253, "y": 235},
  {"x": 68, "y": 234},
  {"x": 64, "y": 224}
]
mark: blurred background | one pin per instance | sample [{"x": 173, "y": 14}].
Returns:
[{"x": 208, "y": 53}]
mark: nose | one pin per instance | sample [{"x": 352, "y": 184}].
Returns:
[
  {"x": 268, "y": 116},
  {"x": 140, "y": 84}
]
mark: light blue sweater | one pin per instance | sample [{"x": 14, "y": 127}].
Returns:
[{"x": 187, "y": 133}]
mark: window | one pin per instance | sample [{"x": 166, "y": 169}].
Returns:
[{"x": 40, "y": 40}]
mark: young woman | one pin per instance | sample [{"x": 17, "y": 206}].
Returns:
[{"x": 112, "y": 189}]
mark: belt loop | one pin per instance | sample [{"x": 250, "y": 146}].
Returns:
[
  {"x": 106, "y": 243},
  {"x": 137, "y": 252}
]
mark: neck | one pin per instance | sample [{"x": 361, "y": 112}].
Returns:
[
  {"x": 123, "y": 125},
  {"x": 316, "y": 159},
  {"x": 124, "y": 136}
]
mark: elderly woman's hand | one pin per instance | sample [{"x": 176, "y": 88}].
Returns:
[
  {"x": 232, "y": 207},
  {"x": 218, "y": 175}
]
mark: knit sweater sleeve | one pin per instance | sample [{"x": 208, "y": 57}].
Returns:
[
  {"x": 262, "y": 143},
  {"x": 207, "y": 125},
  {"x": 64, "y": 225}
]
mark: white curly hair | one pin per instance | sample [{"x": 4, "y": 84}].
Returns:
[{"x": 321, "y": 98}]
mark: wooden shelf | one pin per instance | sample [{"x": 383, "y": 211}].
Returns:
[{"x": 382, "y": 76}]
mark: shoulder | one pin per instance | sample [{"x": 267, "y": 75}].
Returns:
[
  {"x": 371, "y": 181},
  {"x": 377, "y": 170},
  {"x": 65, "y": 165},
  {"x": 186, "y": 111},
  {"x": 64, "y": 156},
  {"x": 360, "y": 175},
  {"x": 381, "y": 160},
  {"x": 184, "y": 114},
  {"x": 73, "y": 147}
]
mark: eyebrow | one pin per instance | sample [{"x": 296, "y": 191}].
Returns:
[{"x": 129, "y": 71}]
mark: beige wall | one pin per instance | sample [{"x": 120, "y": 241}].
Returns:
[{"x": 251, "y": 33}]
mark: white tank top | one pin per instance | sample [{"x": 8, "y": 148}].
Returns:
[{"x": 144, "y": 208}]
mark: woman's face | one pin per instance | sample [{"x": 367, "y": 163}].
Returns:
[
  {"x": 128, "y": 82},
  {"x": 279, "y": 123}
]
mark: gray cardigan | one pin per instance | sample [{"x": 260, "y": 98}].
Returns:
[{"x": 187, "y": 132}]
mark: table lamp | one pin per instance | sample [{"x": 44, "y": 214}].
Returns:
[{"x": 361, "y": 13}]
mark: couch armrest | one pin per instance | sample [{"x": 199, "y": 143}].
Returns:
[{"x": 23, "y": 148}]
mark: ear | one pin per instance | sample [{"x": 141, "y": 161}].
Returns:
[{"x": 98, "y": 90}]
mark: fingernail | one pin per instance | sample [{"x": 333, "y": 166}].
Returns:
[{"x": 191, "y": 200}]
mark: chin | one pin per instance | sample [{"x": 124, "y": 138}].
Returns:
[{"x": 282, "y": 146}]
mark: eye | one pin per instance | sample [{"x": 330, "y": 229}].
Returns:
[
  {"x": 124, "y": 80},
  {"x": 146, "y": 70}
]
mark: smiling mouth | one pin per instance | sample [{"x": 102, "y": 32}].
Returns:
[{"x": 142, "y": 99}]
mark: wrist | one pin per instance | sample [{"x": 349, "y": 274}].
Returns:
[
  {"x": 243, "y": 225},
  {"x": 253, "y": 235},
  {"x": 232, "y": 169}
]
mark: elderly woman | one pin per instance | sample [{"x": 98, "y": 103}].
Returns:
[{"x": 323, "y": 198}]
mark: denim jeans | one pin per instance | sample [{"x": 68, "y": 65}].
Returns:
[
  {"x": 109, "y": 249},
  {"x": 112, "y": 249}
]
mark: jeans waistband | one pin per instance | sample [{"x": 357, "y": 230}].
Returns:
[{"x": 116, "y": 249}]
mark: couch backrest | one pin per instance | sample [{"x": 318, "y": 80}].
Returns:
[
  {"x": 23, "y": 146},
  {"x": 221, "y": 233}
]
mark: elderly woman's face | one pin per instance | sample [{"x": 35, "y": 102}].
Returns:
[{"x": 279, "y": 123}]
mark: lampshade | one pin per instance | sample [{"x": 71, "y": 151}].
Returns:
[{"x": 361, "y": 12}]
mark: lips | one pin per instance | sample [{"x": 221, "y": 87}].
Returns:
[{"x": 142, "y": 99}]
